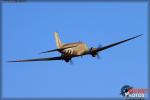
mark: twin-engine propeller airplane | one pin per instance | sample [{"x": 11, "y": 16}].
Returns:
[{"x": 71, "y": 50}]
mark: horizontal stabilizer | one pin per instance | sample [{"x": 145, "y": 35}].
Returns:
[{"x": 57, "y": 49}]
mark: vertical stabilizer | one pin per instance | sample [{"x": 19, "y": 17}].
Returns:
[{"x": 57, "y": 39}]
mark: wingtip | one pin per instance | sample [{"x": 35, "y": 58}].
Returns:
[
  {"x": 138, "y": 35},
  {"x": 141, "y": 34},
  {"x": 13, "y": 61},
  {"x": 41, "y": 53},
  {"x": 10, "y": 61}
]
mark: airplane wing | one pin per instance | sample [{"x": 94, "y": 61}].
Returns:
[
  {"x": 117, "y": 43},
  {"x": 38, "y": 59},
  {"x": 96, "y": 50}
]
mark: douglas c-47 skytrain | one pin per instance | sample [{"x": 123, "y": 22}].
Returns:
[{"x": 71, "y": 50}]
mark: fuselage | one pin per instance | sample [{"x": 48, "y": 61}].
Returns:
[{"x": 78, "y": 48}]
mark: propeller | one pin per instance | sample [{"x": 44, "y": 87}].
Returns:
[
  {"x": 100, "y": 46},
  {"x": 98, "y": 56},
  {"x": 93, "y": 53},
  {"x": 68, "y": 61},
  {"x": 71, "y": 62}
]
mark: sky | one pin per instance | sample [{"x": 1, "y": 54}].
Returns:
[{"x": 28, "y": 30}]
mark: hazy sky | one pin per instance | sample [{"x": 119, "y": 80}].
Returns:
[{"x": 28, "y": 29}]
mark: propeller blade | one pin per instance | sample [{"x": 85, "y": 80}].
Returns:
[
  {"x": 71, "y": 62},
  {"x": 100, "y": 46},
  {"x": 98, "y": 56}
]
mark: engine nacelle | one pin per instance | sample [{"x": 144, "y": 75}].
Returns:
[
  {"x": 93, "y": 52},
  {"x": 66, "y": 58}
]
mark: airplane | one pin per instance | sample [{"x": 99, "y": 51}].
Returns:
[{"x": 71, "y": 50}]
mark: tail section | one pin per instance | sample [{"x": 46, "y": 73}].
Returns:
[{"x": 57, "y": 39}]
